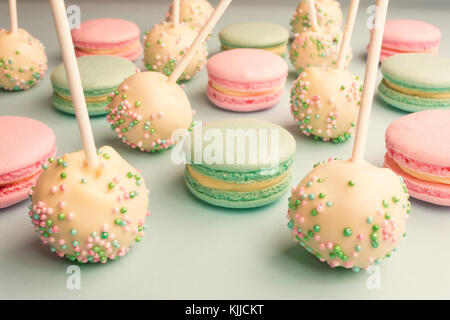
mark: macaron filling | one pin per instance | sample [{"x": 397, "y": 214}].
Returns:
[
  {"x": 233, "y": 186},
  {"x": 136, "y": 44},
  {"x": 280, "y": 49},
  {"x": 237, "y": 93}
]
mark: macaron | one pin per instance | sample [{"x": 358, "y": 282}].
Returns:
[
  {"x": 100, "y": 75},
  {"x": 416, "y": 81},
  {"x": 239, "y": 163},
  {"x": 409, "y": 36},
  {"x": 245, "y": 80},
  {"x": 106, "y": 36},
  {"x": 25, "y": 147},
  {"x": 258, "y": 35},
  {"x": 418, "y": 150}
]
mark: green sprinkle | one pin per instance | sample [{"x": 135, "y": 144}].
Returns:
[
  {"x": 351, "y": 183},
  {"x": 111, "y": 185},
  {"x": 123, "y": 210},
  {"x": 63, "y": 175},
  {"x": 348, "y": 232}
]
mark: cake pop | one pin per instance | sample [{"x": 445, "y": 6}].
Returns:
[
  {"x": 165, "y": 46},
  {"x": 90, "y": 205},
  {"x": 316, "y": 47},
  {"x": 22, "y": 57},
  {"x": 328, "y": 13},
  {"x": 349, "y": 213},
  {"x": 325, "y": 100},
  {"x": 89, "y": 215},
  {"x": 193, "y": 12},
  {"x": 148, "y": 107}
]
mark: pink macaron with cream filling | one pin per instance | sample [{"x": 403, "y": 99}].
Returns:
[
  {"x": 245, "y": 80},
  {"x": 107, "y": 36},
  {"x": 409, "y": 36},
  {"x": 25, "y": 147},
  {"x": 418, "y": 149}
]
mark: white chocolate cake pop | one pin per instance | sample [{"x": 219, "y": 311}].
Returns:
[
  {"x": 166, "y": 44},
  {"x": 146, "y": 109},
  {"x": 349, "y": 214},
  {"x": 316, "y": 49},
  {"x": 325, "y": 103},
  {"x": 193, "y": 12},
  {"x": 328, "y": 12},
  {"x": 89, "y": 215},
  {"x": 22, "y": 60}
]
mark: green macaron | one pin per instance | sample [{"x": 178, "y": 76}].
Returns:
[
  {"x": 239, "y": 163},
  {"x": 415, "y": 82},
  {"x": 257, "y": 35},
  {"x": 100, "y": 75}
]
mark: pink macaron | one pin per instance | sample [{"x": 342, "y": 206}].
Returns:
[
  {"x": 245, "y": 80},
  {"x": 25, "y": 147},
  {"x": 116, "y": 37},
  {"x": 409, "y": 36},
  {"x": 418, "y": 149}
]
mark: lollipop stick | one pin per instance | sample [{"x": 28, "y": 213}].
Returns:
[
  {"x": 350, "y": 23},
  {"x": 73, "y": 77},
  {"x": 176, "y": 12},
  {"x": 13, "y": 15},
  {"x": 370, "y": 79},
  {"x": 218, "y": 12},
  {"x": 313, "y": 14}
]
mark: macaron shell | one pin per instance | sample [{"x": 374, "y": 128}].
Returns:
[
  {"x": 436, "y": 193},
  {"x": 253, "y": 35},
  {"x": 105, "y": 33},
  {"x": 24, "y": 142},
  {"x": 419, "y": 138},
  {"x": 418, "y": 71},
  {"x": 410, "y": 35},
  {"x": 16, "y": 192},
  {"x": 247, "y": 65}
]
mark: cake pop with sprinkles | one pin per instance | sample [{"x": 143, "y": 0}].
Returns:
[
  {"x": 90, "y": 205},
  {"x": 325, "y": 100},
  {"x": 166, "y": 44},
  {"x": 89, "y": 215},
  {"x": 192, "y": 12},
  {"x": 328, "y": 15},
  {"x": 349, "y": 213},
  {"x": 23, "y": 61},
  {"x": 149, "y": 107},
  {"x": 316, "y": 47}
]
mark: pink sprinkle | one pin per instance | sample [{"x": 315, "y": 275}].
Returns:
[
  {"x": 360, "y": 236},
  {"x": 61, "y": 204},
  {"x": 53, "y": 190}
]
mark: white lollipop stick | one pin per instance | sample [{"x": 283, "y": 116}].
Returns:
[
  {"x": 73, "y": 77},
  {"x": 201, "y": 37},
  {"x": 313, "y": 14},
  {"x": 176, "y": 13},
  {"x": 13, "y": 15},
  {"x": 370, "y": 79},
  {"x": 349, "y": 24}
]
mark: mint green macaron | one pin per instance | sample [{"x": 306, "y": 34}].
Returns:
[
  {"x": 100, "y": 75},
  {"x": 256, "y": 35},
  {"x": 239, "y": 163},
  {"x": 416, "y": 82}
]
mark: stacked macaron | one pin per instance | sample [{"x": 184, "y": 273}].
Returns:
[
  {"x": 415, "y": 82},
  {"x": 100, "y": 75},
  {"x": 239, "y": 163},
  {"x": 409, "y": 36},
  {"x": 245, "y": 80},
  {"x": 26, "y": 145},
  {"x": 107, "y": 36},
  {"x": 418, "y": 149},
  {"x": 258, "y": 35}
]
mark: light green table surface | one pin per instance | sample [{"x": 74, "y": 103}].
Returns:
[{"x": 194, "y": 250}]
